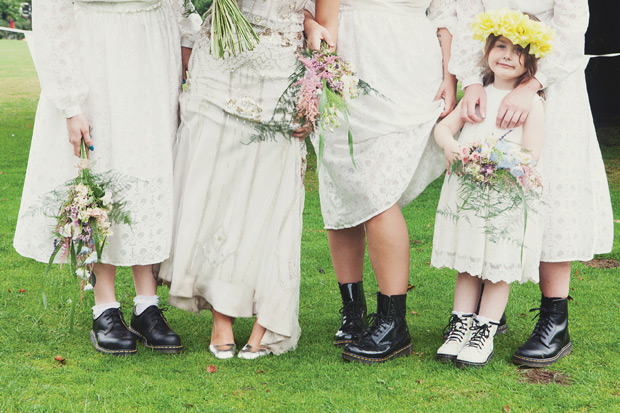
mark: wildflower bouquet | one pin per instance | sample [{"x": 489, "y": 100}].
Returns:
[
  {"x": 317, "y": 95},
  {"x": 85, "y": 217},
  {"x": 496, "y": 176}
]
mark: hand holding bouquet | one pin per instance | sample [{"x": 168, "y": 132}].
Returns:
[{"x": 231, "y": 33}]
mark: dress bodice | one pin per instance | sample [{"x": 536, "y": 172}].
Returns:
[{"x": 278, "y": 15}]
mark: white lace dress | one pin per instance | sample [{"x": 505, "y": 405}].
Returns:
[
  {"x": 239, "y": 205},
  {"x": 119, "y": 64},
  {"x": 579, "y": 223},
  {"x": 466, "y": 242},
  {"x": 392, "y": 45}
]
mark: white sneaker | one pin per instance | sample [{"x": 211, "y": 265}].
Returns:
[
  {"x": 456, "y": 335},
  {"x": 479, "y": 349}
]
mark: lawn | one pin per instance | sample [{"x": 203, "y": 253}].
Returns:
[{"x": 311, "y": 378}]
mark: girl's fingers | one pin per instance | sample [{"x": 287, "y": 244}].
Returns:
[{"x": 483, "y": 106}]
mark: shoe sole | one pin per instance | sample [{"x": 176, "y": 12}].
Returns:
[
  {"x": 502, "y": 329},
  {"x": 445, "y": 358},
  {"x": 467, "y": 364},
  {"x": 529, "y": 362},
  {"x": 405, "y": 351},
  {"x": 93, "y": 339},
  {"x": 342, "y": 343},
  {"x": 161, "y": 349}
]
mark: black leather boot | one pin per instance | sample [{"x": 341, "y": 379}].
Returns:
[
  {"x": 353, "y": 314},
  {"x": 151, "y": 326},
  {"x": 387, "y": 337},
  {"x": 550, "y": 340},
  {"x": 110, "y": 334},
  {"x": 502, "y": 327}
]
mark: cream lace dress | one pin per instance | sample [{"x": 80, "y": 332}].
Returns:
[
  {"x": 119, "y": 64},
  {"x": 392, "y": 45},
  {"x": 466, "y": 242},
  {"x": 238, "y": 204},
  {"x": 579, "y": 222}
]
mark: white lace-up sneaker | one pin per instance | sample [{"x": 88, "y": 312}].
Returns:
[
  {"x": 456, "y": 334},
  {"x": 479, "y": 349}
]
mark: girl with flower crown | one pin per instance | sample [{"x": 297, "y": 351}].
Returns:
[
  {"x": 394, "y": 154},
  {"x": 115, "y": 66},
  {"x": 578, "y": 221},
  {"x": 462, "y": 240}
]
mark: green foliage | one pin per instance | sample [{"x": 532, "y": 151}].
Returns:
[
  {"x": 312, "y": 378},
  {"x": 202, "y": 5}
]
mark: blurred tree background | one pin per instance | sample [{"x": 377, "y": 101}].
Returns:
[
  {"x": 19, "y": 12},
  {"x": 201, "y": 5}
]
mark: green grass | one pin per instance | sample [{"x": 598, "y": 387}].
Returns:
[{"x": 311, "y": 378}]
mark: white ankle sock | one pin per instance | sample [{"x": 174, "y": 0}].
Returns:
[
  {"x": 100, "y": 308},
  {"x": 484, "y": 320},
  {"x": 460, "y": 314},
  {"x": 143, "y": 302}
]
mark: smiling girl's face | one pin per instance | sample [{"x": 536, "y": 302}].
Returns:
[{"x": 506, "y": 60}]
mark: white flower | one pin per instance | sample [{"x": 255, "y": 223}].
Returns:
[
  {"x": 88, "y": 287},
  {"x": 107, "y": 198},
  {"x": 82, "y": 273}
]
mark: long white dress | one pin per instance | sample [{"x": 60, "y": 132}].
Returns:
[
  {"x": 392, "y": 45},
  {"x": 464, "y": 241},
  {"x": 238, "y": 205},
  {"x": 118, "y": 63},
  {"x": 579, "y": 223}
]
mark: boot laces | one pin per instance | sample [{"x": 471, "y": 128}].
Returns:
[
  {"x": 455, "y": 330},
  {"x": 353, "y": 310},
  {"x": 480, "y": 334},
  {"x": 543, "y": 325},
  {"x": 376, "y": 322}
]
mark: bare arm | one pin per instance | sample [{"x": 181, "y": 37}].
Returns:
[
  {"x": 447, "y": 89},
  {"x": 444, "y": 136},
  {"x": 534, "y": 129},
  {"x": 327, "y": 16}
]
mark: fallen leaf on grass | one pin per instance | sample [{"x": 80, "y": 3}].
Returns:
[
  {"x": 415, "y": 241},
  {"x": 603, "y": 263},
  {"x": 414, "y": 312},
  {"x": 8, "y": 289},
  {"x": 536, "y": 376},
  {"x": 580, "y": 278},
  {"x": 617, "y": 221},
  {"x": 211, "y": 369},
  {"x": 60, "y": 359},
  {"x": 576, "y": 272},
  {"x": 321, "y": 270},
  {"x": 420, "y": 381},
  {"x": 507, "y": 408},
  {"x": 22, "y": 290},
  {"x": 260, "y": 371}
]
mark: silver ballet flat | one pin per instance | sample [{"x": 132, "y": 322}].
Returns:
[
  {"x": 249, "y": 352},
  {"x": 223, "y": 351}
]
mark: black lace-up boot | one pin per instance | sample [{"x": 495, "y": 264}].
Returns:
[
  {"x": 388, "y": 335},
  {"x": 110, "y": 334},
  {"x": 550, "y": 340},
  {"x": 502, "y": 326},
  {"x": 151, "y": 326},
  {"x": 353, "y": 314}
]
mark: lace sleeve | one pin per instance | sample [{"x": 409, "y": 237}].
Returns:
[
  {"x": 466, "y": 52},
  {"x": 58, "y": 61},
  {"x": 189, "y": 21},
  {"x": 442, "y": 13},
  {"x": 570, "y": 20}
]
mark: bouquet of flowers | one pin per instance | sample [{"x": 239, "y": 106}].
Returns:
[
  {"x": 496, "y": 176},
  {"x": 317, "y": 95},
  {"x": 84, "y": 220}
]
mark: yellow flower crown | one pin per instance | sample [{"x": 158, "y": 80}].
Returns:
[{"x": 516, "y": 27}]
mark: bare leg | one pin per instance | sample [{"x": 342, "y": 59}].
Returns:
[
  {"x": 347, "y": 248},
  {"x": 258, "y": 332},
  {"x": 555, "y": 279},
  {"x": 222, "y": 332},
  {"x": 494, "y": 300},
  {"x": 466, "y": 293},
  {"x": 144, "y": 280},
  {"x": 105, "y": 275},
  {"x": 388, "y": 248}
]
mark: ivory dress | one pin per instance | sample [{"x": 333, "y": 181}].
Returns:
[
  {"x": 392, "y": 45},
  {"x": 238, "y": 204},
  {"x": 579, "y": 222},
  {"x": 118, "y": 63},
  {"x": 464, "y": 243}
]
